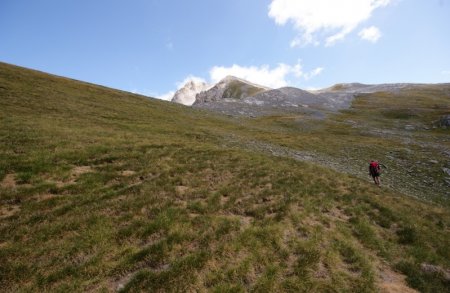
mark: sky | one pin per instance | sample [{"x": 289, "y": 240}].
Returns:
[{"x": 153, "y": 47}]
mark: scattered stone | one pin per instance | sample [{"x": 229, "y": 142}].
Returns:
[
  {"x": 120, "y": 287},
  {"x": 120, "y": 284},
  {"x": 446, "y": 171},
  {"x": 433, "y": 161},
  {"x": 409, "y": 127},
  {"x": 13, "y": 201},
  {"x": 444, "y": 121},
  {"x": 429, "y": 268}
]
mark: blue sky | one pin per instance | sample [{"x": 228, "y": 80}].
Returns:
[{"x": 152, "y": 47}]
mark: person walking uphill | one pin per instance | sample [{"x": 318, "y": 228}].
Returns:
[{"x": 375, "y": 171}]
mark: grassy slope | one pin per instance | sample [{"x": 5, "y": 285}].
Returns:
[
  {"x": 238, "y": 90},
  {"x": 104, "y": 189}
]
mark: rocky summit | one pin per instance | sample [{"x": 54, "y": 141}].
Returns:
[{"x": 186, "y": 94}]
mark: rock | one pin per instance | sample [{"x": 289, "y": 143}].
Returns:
[
  {"x": 231, "y": 88},
  {"x": 446, "y": 170},
  {"x": 409, "y": 127},
  {"x": 186, "y": 94},
  {"x": 433, "y": 161},
  {"x": 120, "y": 287},
  {"x": 444, "y": 121},
  {"x": 447, "y": 181},
  {"x": 429, "y": 268}
]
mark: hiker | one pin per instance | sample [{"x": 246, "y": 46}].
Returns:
[{"x": 375, "y": 171}]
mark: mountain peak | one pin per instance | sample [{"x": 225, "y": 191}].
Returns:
[
  {"x": 186, "y": 94},
  {"x": 231, "y": 78},
  {"x": 230, "y": 87}
]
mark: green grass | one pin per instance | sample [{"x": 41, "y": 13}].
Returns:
[
  {"x": 238, "y": 90},
  {"x": 117, "y": 191}
]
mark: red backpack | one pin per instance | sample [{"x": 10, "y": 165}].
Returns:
[{"x": 374, "y": 167}]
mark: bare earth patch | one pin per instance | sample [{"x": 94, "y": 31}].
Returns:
[
  {"x": 224, "y": 200},
  {"x": 119, "y": 284},
  {"x": 9, "y": 181},
  {"x": 181, "y": 190},
  {"x": 244, "y": 221},
  {"x": 127, "y": 173},
  {"x": 322, "y": 272},
  {"x": 311, "y": 221},
  {"x": 392, "y": 282},
  {"x": 338, "y": 214},
  {"x": 8, "y": 211},
  {"x": 74, "y": 174},
  {"x": 44, "y": 196},
  {"x": 79, "y": 170}
]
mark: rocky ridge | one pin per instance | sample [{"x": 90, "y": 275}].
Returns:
[{"x": 238, "y": 97}]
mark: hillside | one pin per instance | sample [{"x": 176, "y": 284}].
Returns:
[{"x": 103, "y": 190}]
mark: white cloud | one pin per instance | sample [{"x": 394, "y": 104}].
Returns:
[
  {"x": 263, "y": 75},
  {"x": 330, "y": 19},
  {"x": 331, "y": 40},
  {"x": 313, "y": 73},
  {"x": 371, "y": 34},
  {"x": 189, "y": 78}
]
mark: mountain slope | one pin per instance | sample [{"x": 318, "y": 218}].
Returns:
[
  {"x": 290, "y": 97},
  {"x": 104, "y": 190}
]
